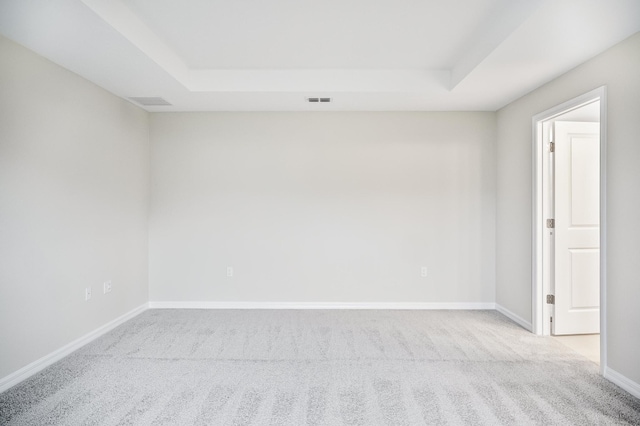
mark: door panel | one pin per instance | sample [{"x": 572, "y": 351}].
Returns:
[
  {"x": 585, "y": 274},
  {"x": 577, "y": 228},
  {"x": 585, "y": 181}
]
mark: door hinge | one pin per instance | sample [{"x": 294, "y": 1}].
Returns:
[
  {"x": 551, "y": 223},
  {"x": 552, "y": 147},
  {"x": 551, "y": 299}
]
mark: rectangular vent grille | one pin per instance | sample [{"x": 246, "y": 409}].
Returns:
[
  {"x": 151, "y": 101},
  {"x": 318, "y": 100}
]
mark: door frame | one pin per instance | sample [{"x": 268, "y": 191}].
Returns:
[{"x": 540, "y": 319}]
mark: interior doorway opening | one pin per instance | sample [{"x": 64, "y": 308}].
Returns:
[{"x": 569, "y": 227}]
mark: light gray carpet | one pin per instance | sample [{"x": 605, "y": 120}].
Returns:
[{"x": 183, "y": 367}]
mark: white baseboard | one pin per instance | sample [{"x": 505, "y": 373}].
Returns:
[
  {"x": 42, "y": 363},
  {"x": 515, "y": 318},
  {"x": 314, "y": 305},
  {"x": 623, "y": 381}
]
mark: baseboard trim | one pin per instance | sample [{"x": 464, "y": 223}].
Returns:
[
  {"x": 314, "y": 305},
  {"x": 515, "y": 318},
  {"x": 623, "y": 381},
  {"x": 42, "y": 363}
]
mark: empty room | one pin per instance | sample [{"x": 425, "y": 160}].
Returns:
[{"x": 319, "y": 213}]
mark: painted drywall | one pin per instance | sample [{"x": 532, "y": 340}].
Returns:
[
  {"x": 74, "y": 184},
  {"x": 618, "y": 68},
  {"x": 589, "y": 113},
  {"x": 322, "y": 207}
]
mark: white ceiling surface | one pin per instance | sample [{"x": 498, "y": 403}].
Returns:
[{"x": 368, "y": 55}]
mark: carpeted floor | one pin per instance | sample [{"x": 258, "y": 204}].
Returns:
[{"x": 206, "y": 367}]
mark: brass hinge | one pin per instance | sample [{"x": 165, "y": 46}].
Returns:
[
  {"x": 551, "y": 299},
  {"x": 551, "y": 223},
  {"x": 552, "y": 147}
]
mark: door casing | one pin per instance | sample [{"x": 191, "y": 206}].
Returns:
[{"x": 540, "y": 319}]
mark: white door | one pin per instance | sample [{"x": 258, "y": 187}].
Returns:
[{"x": 577, "y": 228}]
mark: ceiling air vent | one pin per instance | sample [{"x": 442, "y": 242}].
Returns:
[
  {"x": 318, "y": 100},
  {"x": 151, "y": 101}
]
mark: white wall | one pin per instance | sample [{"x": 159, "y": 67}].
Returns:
[
  {"x": 618, "y": 69},
  {"x": 322, "y": 207},
  {"x": 74, "y": 166}
]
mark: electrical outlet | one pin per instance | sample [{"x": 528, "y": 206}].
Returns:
[
  {"x": 423, "y": 271},
  {"x": 229, "y": 271},
  {"x": 107, "y": 287},
  {"x": 87, "y": 294}
]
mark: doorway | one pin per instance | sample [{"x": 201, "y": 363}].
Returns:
[{"x": 568, "y": 288}]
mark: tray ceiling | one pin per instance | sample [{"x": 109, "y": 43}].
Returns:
[{"x": 251, "y": 55}]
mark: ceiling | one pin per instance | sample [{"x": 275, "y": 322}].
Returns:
[{"x": 366, "y": 55}]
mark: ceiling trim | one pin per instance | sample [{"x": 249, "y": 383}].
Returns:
[
  {"x": 319, "y": 80},
  {"x": 494, "y": 32},
  {"x": 116, "y": 14}
]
